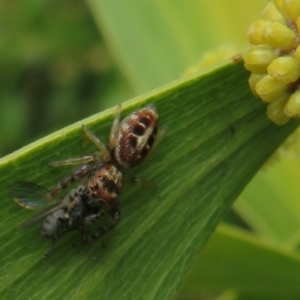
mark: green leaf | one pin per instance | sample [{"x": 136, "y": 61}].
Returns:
[
  {"x": 254, "y": 270},
  {"x": 217, "y": 138}
]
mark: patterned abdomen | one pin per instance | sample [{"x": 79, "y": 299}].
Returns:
[{"x": 135, "y": 137}]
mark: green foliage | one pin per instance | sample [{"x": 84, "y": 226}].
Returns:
[
  {"x": 57, "y": 72},
  {"x": 55, "y": 69},
  {"x": 210, "y": 137}
]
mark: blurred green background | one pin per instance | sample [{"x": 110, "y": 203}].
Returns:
[{"x": 55, "y": 69}]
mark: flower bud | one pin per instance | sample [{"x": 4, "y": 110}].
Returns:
[
  {"x": 291, "y": 9},
  {"x": 284, "y": 69},
  {"x": 258, "y": 59},
  {"x": 279, "y": 36},
  {"x": 268, "y": 89},
  {"x": 253, "y": 80},
  {"x": 274, "y": 62},
  {"x": 298, "y": 24},
  {"x": 297, "y": 54},
  {"x": 292, "y": 108},
  {"x": 254, "y": 33},
  {"x": 275, "y": 110}
]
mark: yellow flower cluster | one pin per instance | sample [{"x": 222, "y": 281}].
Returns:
[{"x": 274, "y": 60}]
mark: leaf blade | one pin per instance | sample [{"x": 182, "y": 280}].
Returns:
[{"x": 199, "y": 169}]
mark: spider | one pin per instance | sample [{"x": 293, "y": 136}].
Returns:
[{"x": 129, "y": 144}]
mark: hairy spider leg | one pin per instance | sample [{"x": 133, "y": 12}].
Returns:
[
  {"x": 115, "y": 214},
  {"x": 115, "y": 128},
  {"x": 84, "y": 170},
  {"x": 116, "y": 218},
  {"x": 104, "y": 153},
  {"x": 77, "y": 175},
  {"x": 84, "y": 226},
  {"x": 87, "y": 159},
  {"x": 92, "y": 218}
]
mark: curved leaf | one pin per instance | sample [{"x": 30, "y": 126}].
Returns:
[{"x": 217, "y": 138}]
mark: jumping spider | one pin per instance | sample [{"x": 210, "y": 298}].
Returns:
[{"x": 129, "y": 144}]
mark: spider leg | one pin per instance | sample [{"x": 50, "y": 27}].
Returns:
[
  {"x": 77, "y": 175},
  {"x": 84, "y": 229},
  {"x": 104, "y": 153},
  {"x": 87, "y": 159},
  {"x": 92, "y": 218},
  {"x": 115, "y": 128},
  {"x": 116, "y": 218},
  {"x": 115, "y": 214}
]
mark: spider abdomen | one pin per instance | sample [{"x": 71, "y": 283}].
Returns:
[{"x": 135, "y": 137}]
